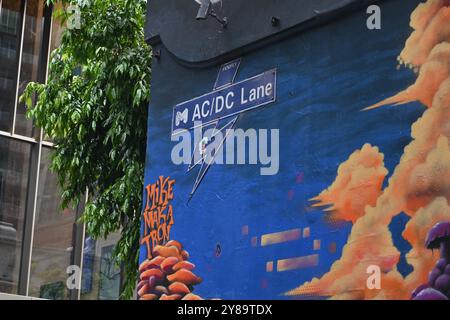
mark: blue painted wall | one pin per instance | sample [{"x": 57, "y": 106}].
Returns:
[{"x": 325, "y": 77}]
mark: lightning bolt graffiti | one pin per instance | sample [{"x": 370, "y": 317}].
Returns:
[
  {"x": 205, "y": 163},
  {"x": 222, "y": 126}
]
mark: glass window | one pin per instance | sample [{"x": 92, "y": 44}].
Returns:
[
  {"x": 32, "y": 56},
  {"x": 14, "y": 172},
  {"x": 55, "y": 40},
  {"x": 53, "y": 238},
  {"x": 101, "y": 276},
  {"x": 57, "y": 29},
  {"x": 10, "y": 33}
]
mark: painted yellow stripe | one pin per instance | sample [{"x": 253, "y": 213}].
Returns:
[
  {"x": 298, "y": 263},
  {"x": 280, "y": 237}
]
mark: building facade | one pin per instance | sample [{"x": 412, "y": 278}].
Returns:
[
  {"x": 339, "y": 187},
  {"x": 38, "y": 240}
]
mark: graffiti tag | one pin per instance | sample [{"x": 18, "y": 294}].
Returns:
[{"x": 158, "y": 213}]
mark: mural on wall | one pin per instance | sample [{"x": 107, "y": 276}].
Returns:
[
  {"x": 359, "y": 188},
  {"x": 158, "y": 214},
  {"x": 166, "y": 273},
  {"x": 418, "y": 187}
]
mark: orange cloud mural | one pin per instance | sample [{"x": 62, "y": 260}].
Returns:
[
  {"x": 358, "y": 183},
  {"x": 419, "y": 185}
]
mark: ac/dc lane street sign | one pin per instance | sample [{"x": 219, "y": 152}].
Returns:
[{"x": 231, "y": 100}]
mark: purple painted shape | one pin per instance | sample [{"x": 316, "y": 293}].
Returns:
[
  {"x": 438, "y": 233},
  {"x": 442, "y": 283},
  {"x": 430, "y": 294},
  {"x": 418, "y": 290},
  {"x": 434, "y": 274}
]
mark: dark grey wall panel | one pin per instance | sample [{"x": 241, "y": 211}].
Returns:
[{"x": 206, "y": 42}]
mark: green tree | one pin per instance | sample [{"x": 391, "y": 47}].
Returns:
[{"x": 94, "y": 107}]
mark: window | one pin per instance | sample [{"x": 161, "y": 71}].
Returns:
[
  {"x": 38, "y": 240},
  {"x": 32, "y": 56},
  {"x": 53, "y": 238},
  {"x": 101, "y": 276},
  {"x": 10, "y": 33},
  {"x": 14, "y": 172},
  {"x": 57, "y": 31}
]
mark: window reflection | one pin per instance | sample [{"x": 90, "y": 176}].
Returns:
[
  {"x": 53, "y": 238},
  {"x": 10, "y": 33},
  {"x": 31, "y": 58},
  {"x": 101, "y": 276},
  {"x": 14, "y": 171},
  {"x": 55, "y": 40},
  {"x": 57, "y": 29}
]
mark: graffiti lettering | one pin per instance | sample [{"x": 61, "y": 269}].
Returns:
[{"x": 158, "y": 213}]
